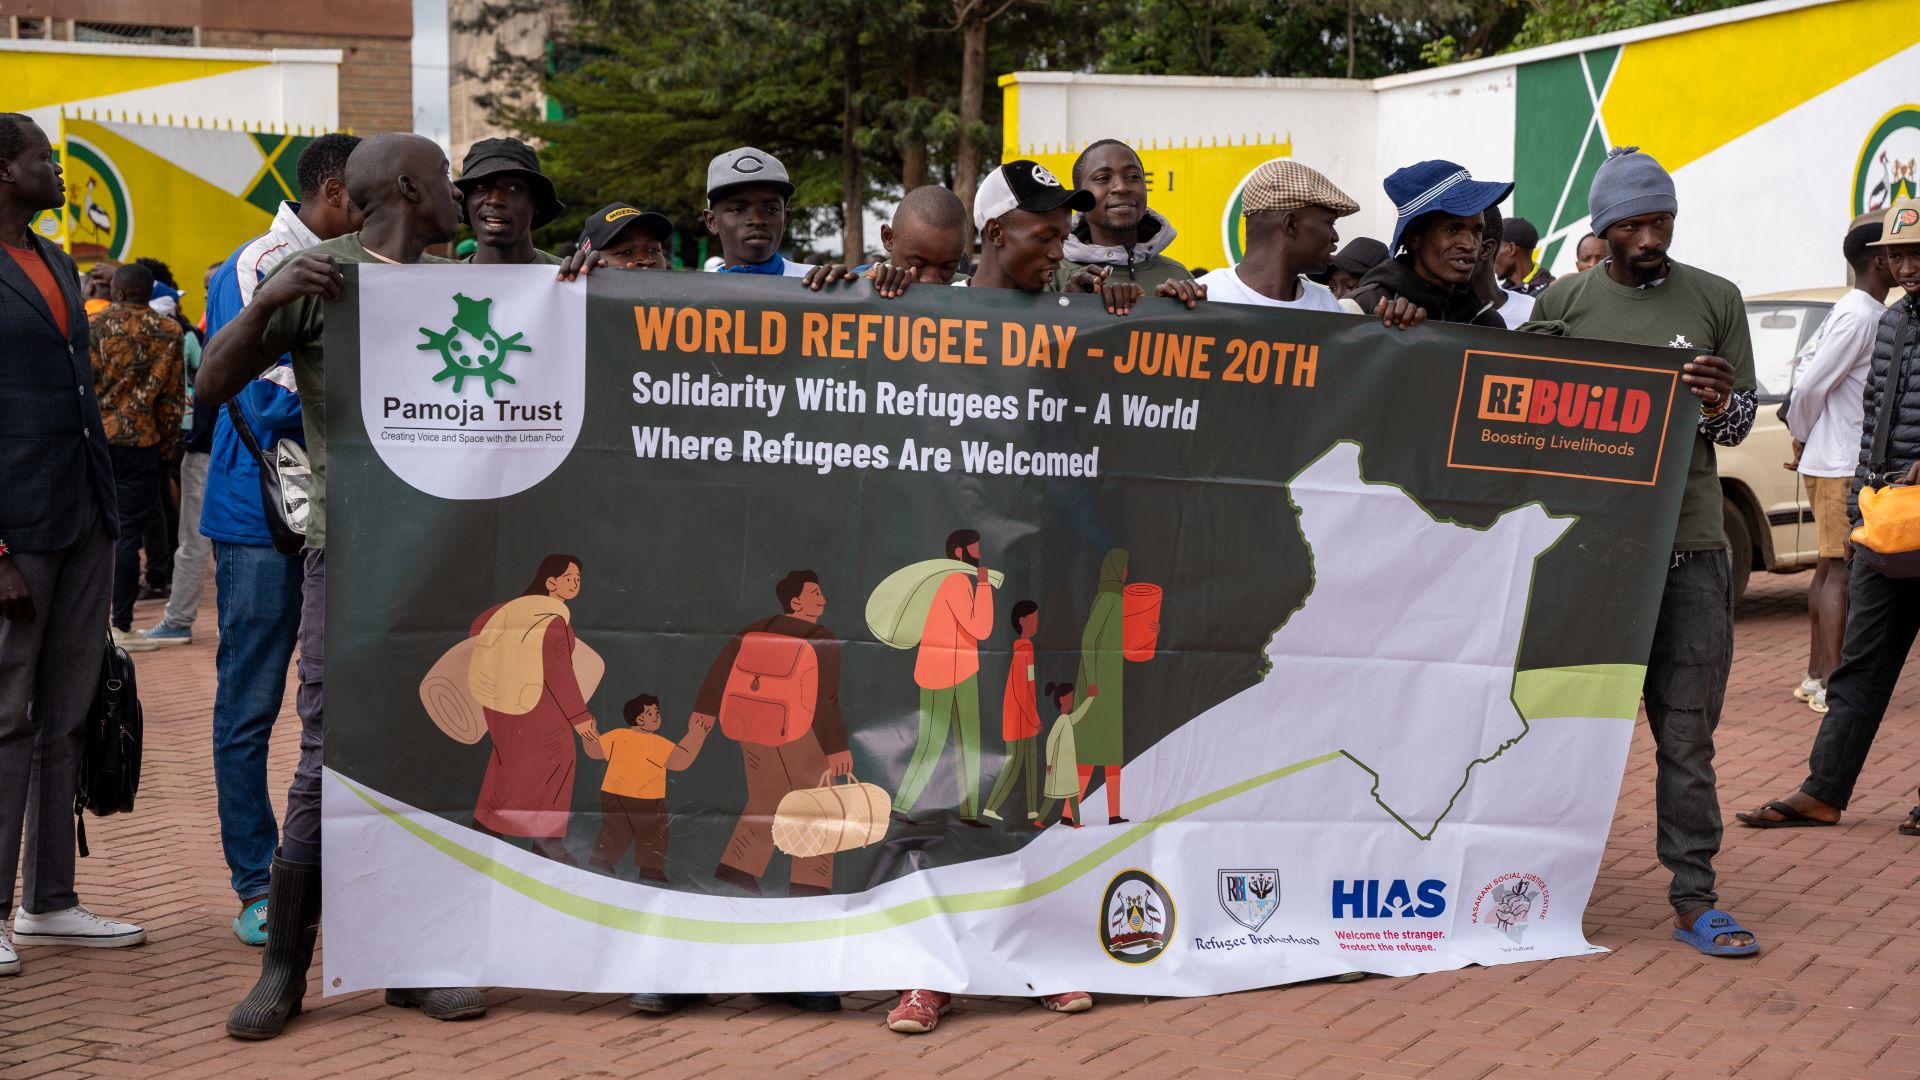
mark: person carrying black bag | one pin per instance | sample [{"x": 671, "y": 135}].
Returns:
[
  {"x": 57, "y": 531},
  {"x": 1883, "y": 610}
]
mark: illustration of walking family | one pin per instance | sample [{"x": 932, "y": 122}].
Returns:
[
  {"x": 523, "y": 678},
  {"x": 950, "y": 602}
]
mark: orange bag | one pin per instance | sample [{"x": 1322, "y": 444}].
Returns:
[
  {"x": 1140, "y": 622},
  {"x": 1889, "y": 537},
  {"x": 771, "y": 690}
]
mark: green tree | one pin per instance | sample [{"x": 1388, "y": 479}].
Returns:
[{"x": 1551, "y": 21}]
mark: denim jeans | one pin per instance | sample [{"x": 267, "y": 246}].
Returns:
[
  {"x": 1883, "y": 618},
  {"x": 1686, "y": 685},
  {"x": 259, "y": 607},
  {"x": 136, "y": 489}
]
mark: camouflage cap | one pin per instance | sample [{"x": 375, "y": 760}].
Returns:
[
  {"x": 1901, "y": 225},
  {"x": 1288, "y": 185}
]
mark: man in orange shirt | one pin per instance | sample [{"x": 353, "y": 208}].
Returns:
[{"x": 947, "y": 670}]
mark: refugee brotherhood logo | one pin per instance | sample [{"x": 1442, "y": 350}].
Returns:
[
  {"x": 471, "y": 348},
  {"x": 1886, "y": 171},
  {"x": 1138, "y": 918},
  {"x": 1249, "y": 897}
]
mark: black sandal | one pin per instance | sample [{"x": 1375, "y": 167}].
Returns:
[
  {"x": 1911, "y": 826},
  {"x": 1794, "y": 819}
]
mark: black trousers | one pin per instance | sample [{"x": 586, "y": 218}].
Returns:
[{"x": 1883, "y": 618}]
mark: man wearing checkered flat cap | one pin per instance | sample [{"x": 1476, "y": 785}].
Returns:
[{"x": 1290, "y": 212}]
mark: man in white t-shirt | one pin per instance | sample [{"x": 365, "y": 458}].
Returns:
[
  {"x": 1826, "y": 414},
  {"x": 1290, "y": 211}
]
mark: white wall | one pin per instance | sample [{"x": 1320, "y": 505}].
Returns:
[{"x": 1466, "y": 119}]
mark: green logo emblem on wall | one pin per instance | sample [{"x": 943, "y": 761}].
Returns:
[
  {"x": 1885, "y": 173},
  {"x": 99, "y": 210},
  {"x": 1233, "y": 224},
  {"x": 471, "y": 348}
]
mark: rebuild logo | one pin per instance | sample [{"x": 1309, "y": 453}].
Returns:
[{"x": 1553, "y": 417}]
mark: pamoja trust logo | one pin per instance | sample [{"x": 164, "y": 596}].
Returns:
[{"x": 485, "y": 399}]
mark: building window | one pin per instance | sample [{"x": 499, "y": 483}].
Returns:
[{"x": 129, "y": 34}]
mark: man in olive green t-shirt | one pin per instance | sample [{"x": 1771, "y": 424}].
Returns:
[
  {"x": 400, "y": 182},
  {"x": 1643, "y": 297}
]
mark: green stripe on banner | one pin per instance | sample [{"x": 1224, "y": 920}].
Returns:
[
  {"x": 1602, "y": 691},
  {"x": 727, "y": 932}
]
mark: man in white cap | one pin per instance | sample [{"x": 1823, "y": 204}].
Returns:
[
  {"x": 1290, "y": 211},
  {"x": 747, "y": 193},
  {"x": 1640, "y": 296}
]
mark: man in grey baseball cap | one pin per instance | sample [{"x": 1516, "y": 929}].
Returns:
[{"x": 747, "y": 193}]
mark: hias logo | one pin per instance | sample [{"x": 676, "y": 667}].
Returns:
[
  {"x": 1137, "y": 918},
  {"x": 1372, "y": 898},
  {"x": 481, "y": 406},
  {"x": 1249, "y": 897},
  {"x": 1888, "y": 168}
]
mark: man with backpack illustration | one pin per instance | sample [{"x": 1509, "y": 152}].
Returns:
[{"x": 775, "y": 690}]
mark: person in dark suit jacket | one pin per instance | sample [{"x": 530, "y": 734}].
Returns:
[{"x": 57, "y": 528}]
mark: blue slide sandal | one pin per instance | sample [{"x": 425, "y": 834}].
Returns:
[{"x": 1711, "y": 924}]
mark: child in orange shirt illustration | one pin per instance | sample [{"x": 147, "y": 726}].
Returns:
[{"x": 633, "y": 797}]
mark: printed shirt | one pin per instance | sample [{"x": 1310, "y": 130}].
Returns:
[
  {"x": 636, "y": 763},
  {"x": 1827, "y": 411},
  {"x": 139, "y": 374},
  {"x": 1225, "y": 287}
]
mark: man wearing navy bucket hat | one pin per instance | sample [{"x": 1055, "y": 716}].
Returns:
[
  {"x": 1436, "y": 247},
  {"x": 1641, "y": 296}
]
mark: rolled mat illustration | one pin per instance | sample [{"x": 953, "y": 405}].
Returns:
[
  {"x": 831, "y": 818},
  {"x": 450, "y": 704},
  {"x": 1140, "y": 622},
  {"x": 897, "y": 609}
]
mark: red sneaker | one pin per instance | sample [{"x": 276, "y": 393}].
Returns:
[
  {"x": 1071, "y": 1001},
  {"x": 918, "y": 1012}
]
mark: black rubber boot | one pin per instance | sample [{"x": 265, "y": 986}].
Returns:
[
  {"x": 293, "y": 922},
  {"x": 441, "y": 1002}
]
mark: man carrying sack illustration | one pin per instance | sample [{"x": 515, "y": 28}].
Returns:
[{"x": 775, "y": 689}]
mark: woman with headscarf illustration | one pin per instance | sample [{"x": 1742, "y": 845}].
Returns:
[
  {"x": 1099, "y": 735},
  {"x": 523, "y": 677}
]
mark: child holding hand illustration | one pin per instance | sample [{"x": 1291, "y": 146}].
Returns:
[
  {"x": 1063, "y": 763},
  {"x": 633, "y": 797}
]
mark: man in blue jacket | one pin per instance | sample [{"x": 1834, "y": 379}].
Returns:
[{"x": 259, "y": 588}]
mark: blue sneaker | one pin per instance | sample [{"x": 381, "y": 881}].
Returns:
[
  {"x": 251, "y": 926},
  {"x": 169, "y": 635}
]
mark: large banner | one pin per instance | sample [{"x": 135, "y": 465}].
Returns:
[{"x": 701, "y": 633}]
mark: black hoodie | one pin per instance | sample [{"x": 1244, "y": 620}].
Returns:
[{"x": 1396, "y": 277}]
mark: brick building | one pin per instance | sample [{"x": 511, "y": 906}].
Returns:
[
  {"x": 476, "y": 70},
  {"x": 374, "y": 37}
]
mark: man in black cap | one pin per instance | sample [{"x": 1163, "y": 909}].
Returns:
[
  {"x": 1351, "y": 263},
  {"x": 621, "y": 237},
  {"x": 747, "y": 193},
  {"x": 505, "y": 197},
  {"x": 1022, "y": 215},
  {"x": 1518, "y": 272}
]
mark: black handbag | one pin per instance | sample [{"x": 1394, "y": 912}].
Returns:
[
  {"x": 286, "y": 484},
  {"x": 110, "y": 745}
]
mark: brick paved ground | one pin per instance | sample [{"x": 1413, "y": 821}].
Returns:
[{"x": 1832, "y": 994}]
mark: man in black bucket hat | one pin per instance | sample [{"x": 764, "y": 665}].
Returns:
[{"x": 506, "y": 197}]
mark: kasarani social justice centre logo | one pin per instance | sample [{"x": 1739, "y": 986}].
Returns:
[{"x": 474, "y": 391}]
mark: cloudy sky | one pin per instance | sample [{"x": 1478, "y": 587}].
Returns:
[{"x": 430, "y": 69}]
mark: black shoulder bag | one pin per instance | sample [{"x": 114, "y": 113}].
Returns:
[{"x": 110, "y": 746}]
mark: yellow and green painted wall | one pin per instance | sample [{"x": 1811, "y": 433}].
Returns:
[{"x": 1781, "y": 121}]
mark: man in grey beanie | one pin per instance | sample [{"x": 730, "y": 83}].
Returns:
[{"x": 1639, "y": 295}]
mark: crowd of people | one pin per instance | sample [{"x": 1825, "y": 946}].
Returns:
[{"x": 81, "y": 472}]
